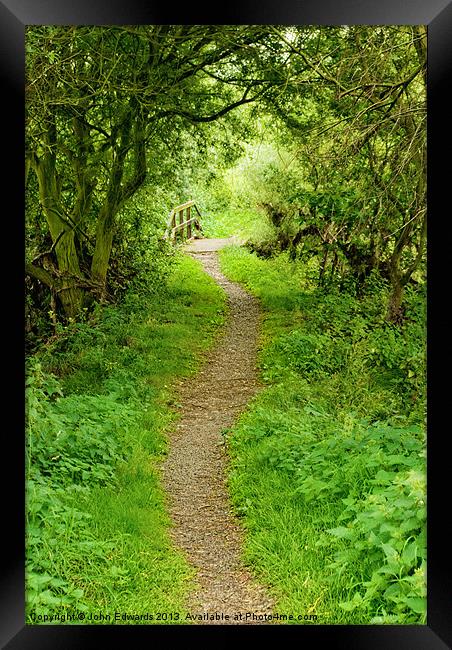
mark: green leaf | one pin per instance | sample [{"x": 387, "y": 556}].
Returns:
[
  {"x": 410, "y": 553},
  {"x": 48, "y": 598},
  {"x": 421, "y": 541},
  {"x": 393, "y": 592},
  {"x": 389, "y": 569},
  {"x": 398, "y": 459},
  {"x": 342, "y": 532},
  {"x": 388, "y": 528},
  {"x": 384, "y": 477},
  {"x": 36, "y": 581},
  {"x": 409, "y": 524},
  {"x": 389, "y": 551},
  {"x": 418, "y": 605},
  {"x": 352, "y": 604},
  {"x": 77, "y": 593},
  {"x": 58, "y": 582}
]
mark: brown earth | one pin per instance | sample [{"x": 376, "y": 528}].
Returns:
[{"x": 194, "y": 473}]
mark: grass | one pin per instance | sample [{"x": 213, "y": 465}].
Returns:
[
  {"x": 99, "y": 400},
  {"x": 328, "y": 462},
  {"x": 245, "y": 223}
]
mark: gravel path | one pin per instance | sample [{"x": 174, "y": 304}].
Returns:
[{"x": 195, "y": 469}]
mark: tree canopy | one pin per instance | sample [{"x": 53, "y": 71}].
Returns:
[{"x": 110, "y": 108}]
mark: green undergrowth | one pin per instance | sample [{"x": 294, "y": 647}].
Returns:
[
  {"x": 99, "y": 397},
  {"x": 328, "y": 462},
  {"x": 244, "y": 223}
]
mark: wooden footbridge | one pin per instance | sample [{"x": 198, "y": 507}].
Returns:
[
  {"x": 183, "y": 228},
  {"x": 182, "y": 225}
]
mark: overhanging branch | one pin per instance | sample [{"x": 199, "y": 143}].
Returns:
[
  {"x": 211, "y": 118},
  {"x": 42, "y": 275}
]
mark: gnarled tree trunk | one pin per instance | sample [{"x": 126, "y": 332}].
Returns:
[{"x": 67, "y": 276}]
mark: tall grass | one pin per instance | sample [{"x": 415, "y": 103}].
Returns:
[
  {"x": 99, "y": 399},
  {"x": 328, "y": 462},
  {"x": 245, "y": 223}
]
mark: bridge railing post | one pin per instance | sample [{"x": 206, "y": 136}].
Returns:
[
  {"x": 188, "y": 222},
  {"x": 181, "y": 223},
  {"x": 178, "y": 225}
]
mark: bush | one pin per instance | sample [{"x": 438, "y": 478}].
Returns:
[
  {"x": 316, "y": 355},
  {"x": 98, "y": 400},
  {"x": 74, "y": 444},
  {"x": 399, "y": 354},
  {"x": 328, "y": 465}
]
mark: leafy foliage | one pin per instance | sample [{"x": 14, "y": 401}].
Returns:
[
  {"x": 387, "y": 529},
  {"x": 331, "y": 122},
  {"x": 97, "y": 126},
  {"x": 98, "y": 400},
  {"x": 329, "y": 460},
  {"x": 315, "y": 354},
  {"x": 71, "y": 444},
  {"x": 309, "y": 142}
]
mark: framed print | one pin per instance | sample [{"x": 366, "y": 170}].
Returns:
[{"x": 86, "y": 166}]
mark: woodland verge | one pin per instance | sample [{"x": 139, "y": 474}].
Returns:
[{"x": 328, "y": 470}]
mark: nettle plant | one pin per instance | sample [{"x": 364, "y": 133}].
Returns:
[
  {"x": 383, "y": 525},
  {"x": 73, "y": 444},
  {"x": 387, "y": 529},
  {"x": 380, "y": 492}
]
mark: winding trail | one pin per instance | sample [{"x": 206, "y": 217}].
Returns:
[{"x": 194, "y": 472}]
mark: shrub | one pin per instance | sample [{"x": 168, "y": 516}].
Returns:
[
  {"x": 313, "y": 355},
  {"x": 74, "y": 444},
  {"x": 328, "y": 463}
]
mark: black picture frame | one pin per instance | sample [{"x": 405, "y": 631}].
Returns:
[{"x": 437, "y": 15}]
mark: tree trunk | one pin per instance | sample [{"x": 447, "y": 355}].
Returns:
[
  {"x": 334, "y": 265},
  {"x": 394, "y": 313},
  {"x": 71, "y": 295},
  {"x": 399, "y": 279},
  {"x": 62, "y": 232},
  {"x": 323, "y": 267},
  {"x": 102, "y": 251},
  {"x": 118, "y": 192}
]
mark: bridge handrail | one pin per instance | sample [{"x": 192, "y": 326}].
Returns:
[{"x": 173, "y": 228}]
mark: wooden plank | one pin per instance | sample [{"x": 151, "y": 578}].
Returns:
[
  {"x": 169, "y": 224},
  {"x": 173, "y": 228},
  {"x": 188, "y": 221},
  {"x": 183, "y": 206},
  {"x": 182, "y": 223},
  {"x": 180, "y": 226},
  {"x": 198, "y": 222}
]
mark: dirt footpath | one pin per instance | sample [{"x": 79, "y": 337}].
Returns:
[
  {"x": 208, "y": 245},
  {"x": 194, "y": 471}
]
